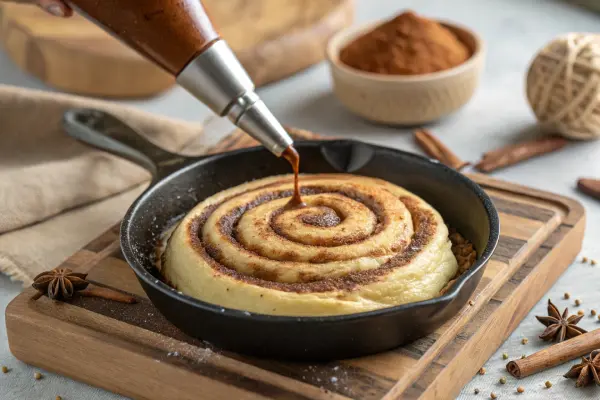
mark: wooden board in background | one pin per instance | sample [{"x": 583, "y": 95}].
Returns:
[
  {"x": 76, "y": 56},
  {"x": 273, "y": 39},
  {"x": 134, "y": 351}
]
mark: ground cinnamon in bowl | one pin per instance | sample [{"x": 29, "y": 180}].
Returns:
[{"x": 406, "y": 45}]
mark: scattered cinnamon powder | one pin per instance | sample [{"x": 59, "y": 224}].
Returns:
[
  {"x": 406, "y": 45},
  {"x": 465, "y": 254}
]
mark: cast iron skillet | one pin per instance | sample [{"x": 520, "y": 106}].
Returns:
[{"x": 179, "y": 183}]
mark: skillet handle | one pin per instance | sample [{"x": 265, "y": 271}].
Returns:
[{"x": 106, "y": 132}]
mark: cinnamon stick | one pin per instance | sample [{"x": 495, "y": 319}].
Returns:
[
  {"x": 515, "y": 153},
  {"x": 555, "y": 355},
  {"x": 108, "y": 294},
  {"x": 589, "y": 186},
  {"x": 436, "y": 149},
  {"x": 37, "y": 296}
]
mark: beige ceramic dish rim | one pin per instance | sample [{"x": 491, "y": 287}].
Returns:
[{"x": 344, "y": 36}]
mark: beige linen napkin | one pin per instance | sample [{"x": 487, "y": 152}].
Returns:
[{"x": 57, "y": 194}]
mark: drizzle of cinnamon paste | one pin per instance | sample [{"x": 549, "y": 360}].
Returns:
[
  {"x": 424, "y": 229},
  {"x": 293, "y": 158}
]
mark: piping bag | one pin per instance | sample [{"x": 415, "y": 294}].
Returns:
[{"x": 179, "y": 37}]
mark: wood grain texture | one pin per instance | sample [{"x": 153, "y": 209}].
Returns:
[
  {"x": 273, "y": 39},
  {"x": 541, "y": 234}
]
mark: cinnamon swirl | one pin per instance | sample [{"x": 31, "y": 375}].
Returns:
[{"x": 360, "y": 244}]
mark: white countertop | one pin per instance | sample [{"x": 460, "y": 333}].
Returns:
[{"x": 498, "y": 114}]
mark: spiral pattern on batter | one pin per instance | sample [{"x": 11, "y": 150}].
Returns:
[{"x": 360, "y": 243}]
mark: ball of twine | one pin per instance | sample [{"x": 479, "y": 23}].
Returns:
[{"x": 563, "y": 86}]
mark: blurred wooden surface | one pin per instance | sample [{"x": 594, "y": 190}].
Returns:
[
  {"x": 76, "y": 56},
  {"x": 273, "y": 39}
]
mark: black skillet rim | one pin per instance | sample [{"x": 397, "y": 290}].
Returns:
[{"x": 149, "y": 279}]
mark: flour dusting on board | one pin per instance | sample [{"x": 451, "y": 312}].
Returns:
[{"x": 188, "y": 352}]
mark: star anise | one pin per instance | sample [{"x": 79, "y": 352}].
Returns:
[
  {"x": 60, "y": 283},
  {"x": 560, "y": 327},
  {"x": 587, "y": 370}
]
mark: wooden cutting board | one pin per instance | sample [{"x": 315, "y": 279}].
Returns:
[
  {"x": 272, "y": 38},
  {"x": 134, "y": 351}
]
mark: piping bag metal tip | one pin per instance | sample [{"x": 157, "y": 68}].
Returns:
[
  {"x": 218, "y": 80},
  {"x": 259, "y": 122}
]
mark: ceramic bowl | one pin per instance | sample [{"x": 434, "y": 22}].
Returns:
[{"x": 405, "y": 99}]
